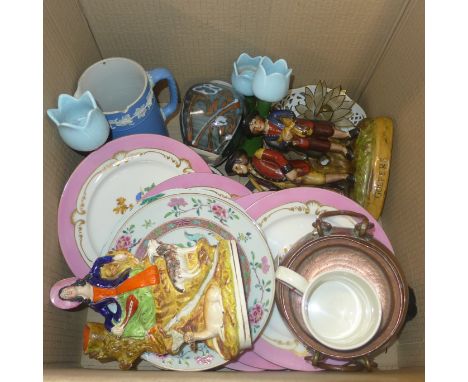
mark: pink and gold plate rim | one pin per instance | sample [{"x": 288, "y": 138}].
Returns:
[{"x": 68, "y": 201}]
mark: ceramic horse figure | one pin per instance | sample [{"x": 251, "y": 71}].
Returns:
[
  {"x": 182, "y": 267},
  {"x": 181, "y": 264}
]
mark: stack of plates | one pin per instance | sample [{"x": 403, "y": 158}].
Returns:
[{"x": 144, "y": 187}]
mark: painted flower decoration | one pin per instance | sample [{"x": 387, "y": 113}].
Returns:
[
  {"x": 271, "y": 80},
  {"x": 219, "y": 211},
  {"x": 122, "y": 206},
  {"x": 139, "y": 196},
  {"x": 265, "y": 265},
  {"x": 124, "y": 242},
  {"x": 256, "y": 313},
  {"x": 327, "y": 105},
  {"x": 204, "y": 360},
  {"x": 82, "y": 125},
  {"x": 177, "y": 202},
  {"x": 243, "y": 74}
]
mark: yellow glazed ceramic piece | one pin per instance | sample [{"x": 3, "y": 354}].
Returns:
[
  {"x": 186, "y": 219},
  {"x": 373, "y": 150},
  {"x": 205, "y": 311}
]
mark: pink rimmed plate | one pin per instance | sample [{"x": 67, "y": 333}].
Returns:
[
  {"x": 301, "y": 194},
  {"x": 247, "y": 200},
  {"x": 237, "y": 366},
  {"x": 108, "y": 183},
  {"x": 285, "y": 216},
  {"x": 252, "y": 359},
  {"x": 233, "y": 188}
]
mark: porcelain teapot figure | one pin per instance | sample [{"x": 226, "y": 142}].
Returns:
[{"x": 81, "y": 124}]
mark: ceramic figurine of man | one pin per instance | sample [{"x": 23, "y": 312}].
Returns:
[
  {"x": 272, "y": 166},
  {"x": 283, "y": 131},
  {"x": 170, "y": 297},
  {"x": 122, "y": 281}
]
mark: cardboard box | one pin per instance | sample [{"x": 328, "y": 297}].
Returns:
[{"x": 375, "y": 49}]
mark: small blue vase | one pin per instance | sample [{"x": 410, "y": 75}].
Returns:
[{"x": 81, "y": 124}]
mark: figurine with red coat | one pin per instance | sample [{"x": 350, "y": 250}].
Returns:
[
  {"x": 272, "y": 170},
  {"x": 281, "y": 130}
]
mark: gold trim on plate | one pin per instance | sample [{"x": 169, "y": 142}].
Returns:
[{"x": 119, "y": 158}]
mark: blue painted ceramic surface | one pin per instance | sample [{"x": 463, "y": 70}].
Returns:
[
  {"x": 125, "y": 93},
  {"x": 143, "y": 117}
]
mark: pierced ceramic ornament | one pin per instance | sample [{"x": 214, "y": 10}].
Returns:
[
  {"x": 211, "y": 113},
  {"x": 170, "y": 297},
  {"x": 81, "y": 124},
  {"x": 318, "y": 102}
]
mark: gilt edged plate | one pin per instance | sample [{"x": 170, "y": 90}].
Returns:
[{"x": 108, "y": 184}]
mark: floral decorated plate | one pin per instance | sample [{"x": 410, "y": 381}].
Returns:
[
  {"x": 108, "y": 184},
  {"x": 250, "y": 358},
  {"x": 286, "y": 216},
  {"x": 126, "y": 241},
  {"x": 182, "y": 219},
  {"x": 322, "y": 103}
]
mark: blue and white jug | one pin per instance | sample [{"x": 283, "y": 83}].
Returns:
[
  {"x": 124, "y": 92},
  {"x": 81, "y": 124}
]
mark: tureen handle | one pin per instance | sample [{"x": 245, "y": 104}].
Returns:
[
  {"x": 361, "y": 229},
  {"x": 356, "y": 364}
]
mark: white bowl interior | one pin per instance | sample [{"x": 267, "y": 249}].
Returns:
[
  {"x": 341, "y": 310},
  {"x": 115, "y": 83}
]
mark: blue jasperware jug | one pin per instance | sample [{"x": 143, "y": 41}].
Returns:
[{"x": 124, "y": 92}]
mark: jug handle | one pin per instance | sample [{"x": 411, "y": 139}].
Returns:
[{"x": 159, "y": 74}]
